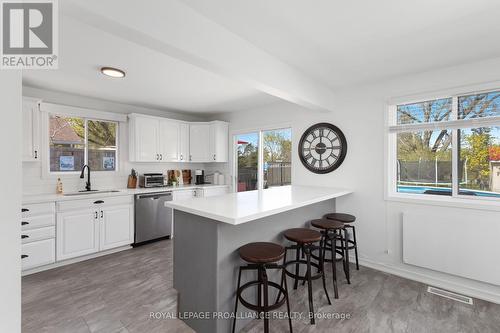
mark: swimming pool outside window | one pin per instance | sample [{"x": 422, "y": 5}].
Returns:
[{"x": 448, "y": 146}]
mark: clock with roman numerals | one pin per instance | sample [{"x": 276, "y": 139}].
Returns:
[{"x": 322, "y": 148}]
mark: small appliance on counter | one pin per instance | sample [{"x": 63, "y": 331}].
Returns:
[
  {"x": 152, "y": 180},
  {"x": 199, "y": 177}
]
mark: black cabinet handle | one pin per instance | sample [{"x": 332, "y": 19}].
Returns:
[
  {"x": 24, "y": 223},
  {"x": 99, "y": 202},
  {"x": 36, "y": 154},
  {"x": 24, "y": 210},
  {"x": 161, "y": 157},
  {"x": 95, "y": 213},
  {"x": 24, "y": 236},
  {"x": 102, "y": 214},
  {"x": 181, "y": 157},
  {"x": 24, "y": 256}
]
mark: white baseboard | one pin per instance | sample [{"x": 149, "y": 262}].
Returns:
[
  {"x": 74, "y": 260},
  {"x": 436, "y": 282}
]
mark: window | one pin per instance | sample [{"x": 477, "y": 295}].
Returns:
[
  {"x": 75, "y": 141},
  {"x": 263, "y": 159},
  {"x": 448, "y": 146}
]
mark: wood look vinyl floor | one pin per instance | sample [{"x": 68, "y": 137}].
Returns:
[{"x": 117, "y": 293}]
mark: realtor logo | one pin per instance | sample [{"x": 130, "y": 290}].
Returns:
[{"x": 29, "y": 34}]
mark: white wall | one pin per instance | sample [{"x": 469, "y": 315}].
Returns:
[
  {"x": 10, "y": 201},
  {"x": 360, "y": 114},
  {"x": 35, "y": 183}
]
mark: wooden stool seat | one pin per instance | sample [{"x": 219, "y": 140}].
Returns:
[
  {"x": 261, "y": 252},
  {"x": 342, "y": 217},
  {"x": 302, "y": 235},
  {"x": 327, "y": 224}
]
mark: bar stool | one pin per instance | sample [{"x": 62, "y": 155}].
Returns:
[
  {"x": 304, "y": 240},
  {"x": 347, "y": 219},
  {"x": 330, "y": 233},
  {"x": 262, "y": 256}
]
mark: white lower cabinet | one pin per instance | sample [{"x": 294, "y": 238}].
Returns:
[
  {"x": 37, "y": 253},
  {"x": 212, "y": 192},
  {"x": 115, "y": 231},
  {"x": 37, "y": 235},
  {"x": 89, "y": 226},
  {"x": 77, "y": 233}
]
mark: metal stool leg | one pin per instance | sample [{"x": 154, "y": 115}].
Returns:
[
  {"x": 236, "y": 305},
  {"x": 266, "y": 298},
  {"x": 309, "y": 285},
  {"x": 322, "y": 268},
  {"x": 345, "y": 246},
  {"x": 297, "y": 257},
  {"x": 355, "y": 246},
  {"x": 334, "y": 264},
  {"x": 287, "y": 299}
]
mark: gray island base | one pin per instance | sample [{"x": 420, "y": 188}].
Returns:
[{"x": 206, "y": 261}]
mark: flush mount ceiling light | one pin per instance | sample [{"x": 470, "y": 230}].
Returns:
[{"x": 112, "y": 72}]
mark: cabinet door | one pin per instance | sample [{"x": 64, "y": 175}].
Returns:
[
  {"x": 184, "y": 142},
  {"x": 28, "y": 131},
  {"x": 184, "y": 194},
  {"x": 219, "y": 141},
  {"x": 212, "y": 192},
  {"x": 199, "y": 142},
  {"x": 169, "y": 137},
  {"x": 77, "y": 233},
  {"x": 146, "y": 139},
  {"x": 117, "y": 227}
]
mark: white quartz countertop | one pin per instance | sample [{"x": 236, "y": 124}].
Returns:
[
  {"x": 238, "y": 208},
  {"x": 52, "y": 197}
]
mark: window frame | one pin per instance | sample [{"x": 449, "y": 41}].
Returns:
[
  {"x": 454, "y": 125},
  {"x": 260, "y": 159},
  {"x": 47, "y": 109}
]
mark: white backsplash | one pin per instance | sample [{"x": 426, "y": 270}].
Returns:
[{"x": 34, "y": 183}]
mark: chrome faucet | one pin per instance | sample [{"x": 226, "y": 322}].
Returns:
[{"x": 87, "y": 184}]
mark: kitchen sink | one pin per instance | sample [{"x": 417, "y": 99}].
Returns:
[{"x": 89, "y": 192}]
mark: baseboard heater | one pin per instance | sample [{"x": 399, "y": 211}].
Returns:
[
  {"x": 458, "y": 242},
  {"x": 450, "y": 295}
]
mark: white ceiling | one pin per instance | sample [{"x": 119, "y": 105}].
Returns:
[
  {"x": 338, "y": 44},
  {"x": 152, "y": 80},
  {"x": 343, "y": 43}
]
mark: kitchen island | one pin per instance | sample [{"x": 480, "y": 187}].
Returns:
[{"x": 209, "y": 231}]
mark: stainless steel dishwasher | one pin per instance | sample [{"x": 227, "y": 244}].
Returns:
[{"x": 153, "y": 220}]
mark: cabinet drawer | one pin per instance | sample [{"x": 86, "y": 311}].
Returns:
[
  {"x": 38, "y": 209},
  {"x": 38, "y": 234},
  {"x": 38, "y": 253},
  {"x": 97, "y": 202},
  {"x": 33, "y": 222}
]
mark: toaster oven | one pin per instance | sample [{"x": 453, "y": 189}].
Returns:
[{"x": 152, "y": 180}]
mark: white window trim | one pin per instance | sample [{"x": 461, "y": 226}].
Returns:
[
  {"x": 390, "y": 151},
  {"x": 87, "y": 114},
  {"x": 259, "y": 131}
]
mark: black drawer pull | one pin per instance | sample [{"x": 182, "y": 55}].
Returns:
[
  {"x": 24, "y": 256},
  {"x": 24, "y": 223},
  {"x": 24, "y": 236},
  {"x": 24, "y": 210},
  {"x": 99, "y": 202}
]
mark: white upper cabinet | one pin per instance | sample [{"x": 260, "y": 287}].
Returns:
[
  {"x": 143, "y": 139},
  {"x": 199, "y": 142},
  {"x": 184, "y": 142},
  {"x": 169, "y": 140},
  {"x": 219, "y": 141},
  {"x": 31, "y": 130},
  {"x": 153, "y": 139}
]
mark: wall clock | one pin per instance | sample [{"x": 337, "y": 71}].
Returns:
[{"x": 322, "y": 148}]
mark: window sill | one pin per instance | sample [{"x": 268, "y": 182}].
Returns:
[{"x": 492, "y": 204}]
